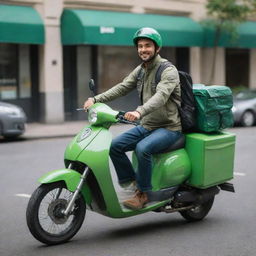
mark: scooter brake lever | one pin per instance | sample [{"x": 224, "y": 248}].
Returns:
[
  {"x": 82, "y": 109},
  {"x": 122, "y": 120}
]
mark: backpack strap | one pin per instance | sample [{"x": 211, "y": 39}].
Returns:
[
  {"x": 140, "y": 83},
  {"x": 161, "y": 68},
  {"x": 140, "y": 74}
]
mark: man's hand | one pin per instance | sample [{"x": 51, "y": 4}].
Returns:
[
  {"x": 132, "y": 116},
  {"x": 88, "y": 103}
]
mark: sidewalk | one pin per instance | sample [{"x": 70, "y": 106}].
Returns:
[{"x": 65, "y": 129}]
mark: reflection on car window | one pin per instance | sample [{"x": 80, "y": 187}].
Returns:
[{"x": 246, "y": 95}]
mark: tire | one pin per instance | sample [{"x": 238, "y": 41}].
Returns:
[
  {"x": 44, "y": 214},
  {"x": 248, "y": 118},
  {"x": 198, "y": 212}
]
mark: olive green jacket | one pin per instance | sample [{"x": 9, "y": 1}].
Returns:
[{"x": 159, "y": 108}]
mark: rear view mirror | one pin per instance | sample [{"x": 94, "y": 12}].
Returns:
[{"x": 92, "y": 86}]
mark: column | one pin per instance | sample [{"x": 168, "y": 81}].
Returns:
[
  {"x": 252, "y": 73},
  {"x": 195, "y": 64},
  {"x": 220, "y": 67},
  {"x": 51, "y": 66},
  {"x": 213, "y": 66}
]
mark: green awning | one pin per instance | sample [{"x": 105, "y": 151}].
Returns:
[
  {"x": 118, "y": 28},
  {"x": 246, "y": 37},
  {"x": 20, "y": 24}
]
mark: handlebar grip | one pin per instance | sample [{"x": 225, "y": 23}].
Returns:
[{"x": 121, "y": 119}]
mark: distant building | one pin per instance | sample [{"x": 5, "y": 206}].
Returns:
[{"x": 49, "y": 49}]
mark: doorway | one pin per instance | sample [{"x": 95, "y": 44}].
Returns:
[{"x": 237, "y": 67}]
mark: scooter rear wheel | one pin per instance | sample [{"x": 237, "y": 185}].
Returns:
[
  {"x": 198, "y": 212},
  {"x": 45, "y": 218}
]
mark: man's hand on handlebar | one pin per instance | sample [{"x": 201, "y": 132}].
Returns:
[
  {"x": 88, "y": 103},
  {"x": 132, "y": 116}
]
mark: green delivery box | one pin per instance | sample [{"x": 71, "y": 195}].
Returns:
[{"x": 212, "y": 158}]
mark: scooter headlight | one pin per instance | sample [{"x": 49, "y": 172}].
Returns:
[{"x": 92, "y": 117}]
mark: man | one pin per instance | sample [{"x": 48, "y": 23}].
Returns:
[{"x": 160, "y": 124}]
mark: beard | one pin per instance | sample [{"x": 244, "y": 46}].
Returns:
[{"x": 147, "y": 58}]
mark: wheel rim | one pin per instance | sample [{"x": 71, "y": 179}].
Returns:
[
  {"x": 50, "y": 213},
  {"x": 248, "y": 118},
  {"x": 56, "y": 209}
]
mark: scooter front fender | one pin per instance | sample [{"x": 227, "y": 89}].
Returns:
[{"x": 71, "y": 179}]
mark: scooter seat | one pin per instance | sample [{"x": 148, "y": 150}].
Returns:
[{"x": 180, "y": 143}]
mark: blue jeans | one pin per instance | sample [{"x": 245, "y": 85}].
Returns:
[{"x": 145, "y": 143}]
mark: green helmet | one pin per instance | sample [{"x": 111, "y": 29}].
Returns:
[{"x": 149, "y": 33}]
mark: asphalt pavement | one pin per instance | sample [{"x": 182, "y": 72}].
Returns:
[{"x": 228, "y": 230}]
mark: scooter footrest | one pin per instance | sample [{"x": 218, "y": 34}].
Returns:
[{"x": 227, "y": 187}]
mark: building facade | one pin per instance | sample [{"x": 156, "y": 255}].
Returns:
[{"x": 49, "y": 49}]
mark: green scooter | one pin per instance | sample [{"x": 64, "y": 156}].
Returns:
[{"x": 185, "y": 179}]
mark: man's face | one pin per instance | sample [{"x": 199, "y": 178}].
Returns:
[{"x": 146, "y": 49}]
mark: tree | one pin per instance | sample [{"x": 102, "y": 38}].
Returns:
[{"x": 225, "y": 16}]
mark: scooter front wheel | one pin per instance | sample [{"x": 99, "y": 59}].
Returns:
[
  {"x": 45, "y": 218},
  {"x": 199, "y": 211}
]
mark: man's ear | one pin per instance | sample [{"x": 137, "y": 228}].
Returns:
[{"x": 158, "y": 50}]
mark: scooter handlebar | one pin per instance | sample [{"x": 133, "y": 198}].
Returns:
[{"x": 121, "y": 119}]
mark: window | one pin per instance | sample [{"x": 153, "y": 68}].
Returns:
[
  {"x": 24, "y": 72},
  {"x": 8, "y": 71},
  {"x": 15, "y": 81}
]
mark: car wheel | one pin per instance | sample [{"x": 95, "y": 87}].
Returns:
[{"x": 248, "y": 119}]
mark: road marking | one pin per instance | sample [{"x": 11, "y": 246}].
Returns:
[
  {"x": 23, "y": 195},
  {"x": 239, "y": 174}
]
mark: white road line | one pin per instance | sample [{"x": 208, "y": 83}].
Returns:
[
  {"x": 239, "y": 174},
  {"x": 23, "y": 195}
]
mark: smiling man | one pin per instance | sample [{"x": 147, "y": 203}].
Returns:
[{"x": 160, "y": 124}]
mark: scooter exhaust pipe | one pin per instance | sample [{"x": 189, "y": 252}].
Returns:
[{"x": 199, "y": 195}]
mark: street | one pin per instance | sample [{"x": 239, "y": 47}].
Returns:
[{"x": 228, "y": 230}]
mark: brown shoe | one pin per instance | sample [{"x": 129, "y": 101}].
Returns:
[{"x": 137, "y": 202}]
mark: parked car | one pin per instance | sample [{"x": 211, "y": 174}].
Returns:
[
  {"x": 12, "y": 120},
  {"x": 244, "y": 108}
]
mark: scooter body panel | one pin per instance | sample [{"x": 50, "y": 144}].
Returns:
[
  {"x": 169, "y": 169},
  {"x": 81, "y": 141}
]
